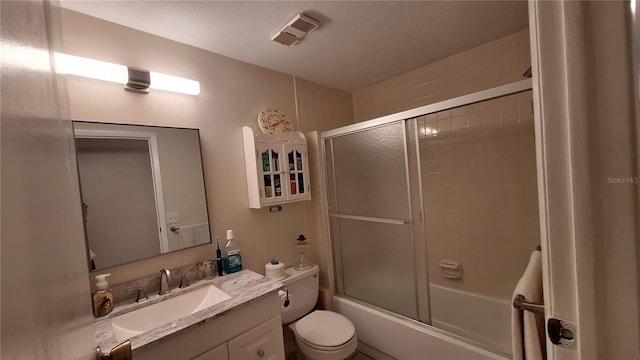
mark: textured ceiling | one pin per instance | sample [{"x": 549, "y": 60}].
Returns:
[{"x": 358, "y": 43}]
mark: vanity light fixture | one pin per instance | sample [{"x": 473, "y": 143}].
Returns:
[{"x": 133, "y": 79}]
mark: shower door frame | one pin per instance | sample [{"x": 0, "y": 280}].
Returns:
[
  {"x": 411, "y": 141},
  {"x": 483, "y": 95}
]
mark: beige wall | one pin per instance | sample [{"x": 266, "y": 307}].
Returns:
[
  {"x": 480, "y": 192},
  {"x": 496, "y": 63},
  {"x": 231, "y": 95}
]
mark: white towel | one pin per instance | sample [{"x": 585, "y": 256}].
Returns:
[
  {"x": 527, "y": 329},
  {"x": 197, "y": 234},
  {"x": 187, "y": 236}
]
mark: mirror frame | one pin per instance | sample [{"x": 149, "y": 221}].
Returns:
[{"x": 151, "y": 138}]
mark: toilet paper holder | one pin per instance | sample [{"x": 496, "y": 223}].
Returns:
[{"x": 286, "y": 299}]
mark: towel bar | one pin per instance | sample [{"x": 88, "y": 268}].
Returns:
[{"x": 520, "y": 303}]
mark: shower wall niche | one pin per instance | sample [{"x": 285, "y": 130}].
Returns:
[{"x": 455, "y": 184}]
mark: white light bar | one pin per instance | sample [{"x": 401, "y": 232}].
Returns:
[
  {"x": 166, "y": 82},
  {"x": 100, "y": 70},
  {"x": 94, "y": 69}
]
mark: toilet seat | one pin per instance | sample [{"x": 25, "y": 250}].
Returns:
[
  {"x": 325, "y": 330},
  {"x": 348, "y": 344}
]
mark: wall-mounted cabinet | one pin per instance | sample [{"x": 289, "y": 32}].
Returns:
[{"x": 277, "y": 168}]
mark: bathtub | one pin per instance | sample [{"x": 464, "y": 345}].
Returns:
[
  {"x": 483, "y": 319},
  {"x": 387, "y": 336}
]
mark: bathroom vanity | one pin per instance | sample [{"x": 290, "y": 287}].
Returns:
[{"x": 247, "y": 325}]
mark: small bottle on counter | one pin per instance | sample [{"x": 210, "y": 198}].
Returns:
[
  {"x": 103, "y": 297},
  {"x": 232, "y": 259}
]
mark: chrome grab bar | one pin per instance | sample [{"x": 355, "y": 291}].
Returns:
[{"x": 520, "y": 303}]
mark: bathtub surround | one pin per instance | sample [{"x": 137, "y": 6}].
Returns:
[
  {"x": 480, "y": 192},
  {"x": 462, "y": 194}
]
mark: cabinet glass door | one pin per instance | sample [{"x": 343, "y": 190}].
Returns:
[
  {"x": 271, "y": 184},
  {"x": 296, "y": 163}
]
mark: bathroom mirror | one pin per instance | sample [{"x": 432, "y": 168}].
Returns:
[{"x": 142, "y": 191}]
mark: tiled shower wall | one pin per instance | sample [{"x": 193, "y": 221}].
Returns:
[
  {"x": 479, "y": 190},
  {"x": 496, "y": 63}
]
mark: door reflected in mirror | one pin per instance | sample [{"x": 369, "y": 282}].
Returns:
[{"x": 142, "y": 191}]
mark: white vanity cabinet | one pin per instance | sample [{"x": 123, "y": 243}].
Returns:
[
  {"x": 251, "y": 331},
  {"x": 263, "y": 342},
  {"x": 277, "y": 168}
]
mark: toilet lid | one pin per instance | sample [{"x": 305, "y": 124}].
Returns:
[{"x": 325, "y": 328}]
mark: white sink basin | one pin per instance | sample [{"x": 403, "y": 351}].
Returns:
[{"x": 150, "y": 317}]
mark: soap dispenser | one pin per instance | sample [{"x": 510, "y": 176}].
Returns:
[{"x": 103, "y": 297}]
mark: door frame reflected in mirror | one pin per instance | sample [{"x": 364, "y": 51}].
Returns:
[{"x": 152, "y": 142}]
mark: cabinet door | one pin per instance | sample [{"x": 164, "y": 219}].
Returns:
[
  {"x": 297, "y": 184},
  {"x": 217, "y": 353},
  {"x": 263, "y": 342},
  {"x": 271, "y": 175}
]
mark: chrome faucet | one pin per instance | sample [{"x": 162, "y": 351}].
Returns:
[{"x": 165, "y": 281}]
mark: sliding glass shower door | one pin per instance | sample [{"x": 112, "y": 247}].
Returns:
[
  {"x": 458, "y": 177},
  {"x": 370, "y": 211}
]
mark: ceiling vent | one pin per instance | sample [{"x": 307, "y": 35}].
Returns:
[
  {"x": 295, "y": 30},
  {"x": 285, "y": 38}
]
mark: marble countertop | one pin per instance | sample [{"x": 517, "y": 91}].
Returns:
[{"x": 244, "y": 287}]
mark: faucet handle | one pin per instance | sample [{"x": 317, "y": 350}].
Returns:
[{"x": 141, "y": 294}]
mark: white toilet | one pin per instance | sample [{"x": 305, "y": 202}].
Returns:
[{"x": 320, "y": 335}]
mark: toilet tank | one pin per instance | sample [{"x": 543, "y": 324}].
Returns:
[{"x": 303, "y": 288}]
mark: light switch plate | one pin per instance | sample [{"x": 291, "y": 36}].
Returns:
[{"x": 172, "y": 217}]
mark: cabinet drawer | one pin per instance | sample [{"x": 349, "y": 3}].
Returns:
[
  {"x": 217, "y": 353},
  {"x": 263, "y": 342}
]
